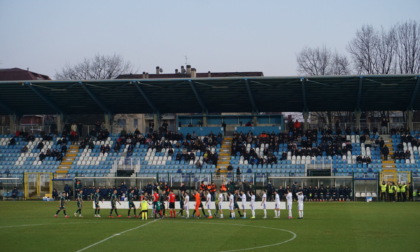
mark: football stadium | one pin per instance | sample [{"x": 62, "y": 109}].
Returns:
[
  {"x": 243, "y": 180},
  {"x": 291, "y": 126}
]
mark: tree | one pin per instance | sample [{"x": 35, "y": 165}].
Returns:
[
  {"x": 321, "y": 61},
  {"x": 387, "y": 51},
  {"x": 362, "y": 49},
  {"x": 99, "y": 67},
  {"x": 339, "y": 65},
  {"x": 408, "y": 37}
]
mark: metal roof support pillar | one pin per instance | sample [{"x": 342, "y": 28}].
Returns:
[
  {"x": 305, "y": 120},
  {"x": 254, "y": 120},
  {"x": 359, "y": 93},
  {"x": 197, "y": 96},
  {"x": 145, "y": 97},
  {"x": 204, "y": 119},
  {"x": 413, "y": 96},
  {"x": 107, "y": 121},
  {"x": 156, "y": 121},
  {"x": 410, "y": 119},
  {"x": 59, "y": 122},
  {"x": 95, "y": 99},
  {"x": 357, "y": 115},
  {"x": 305, "y": 105},
  {"x": 43, "y": 97},
  {"x": 12, "y": 123},
  {"x": 251, "y": 97}
]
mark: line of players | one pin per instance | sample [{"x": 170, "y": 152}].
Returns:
[{"x": 158, "y": 200}]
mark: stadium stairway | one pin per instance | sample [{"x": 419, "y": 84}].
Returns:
[
  {"x": 225, "y": 154},
  {"x": 67, "y": 162},
  {"x": 389, "y": 165}
]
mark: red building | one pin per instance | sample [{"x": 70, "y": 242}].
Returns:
[{"x": 16, "y": 74}]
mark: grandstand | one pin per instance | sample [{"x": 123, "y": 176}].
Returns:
[{"x": 265, "y": 148}]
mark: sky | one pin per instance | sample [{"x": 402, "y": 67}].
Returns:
[{"x": 216, "y": 35}]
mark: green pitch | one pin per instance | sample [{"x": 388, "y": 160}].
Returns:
[{"x": 327, "y": 226}]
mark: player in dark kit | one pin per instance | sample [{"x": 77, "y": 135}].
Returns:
[
  {"x": 235, "y": 204},
  {"x": 79, "y": 204},
  {"x": 181, "y": 203},
  {"x": 114, "y": 200},
  {"x": 62, "y": 207},
  {"x": 131, "y": 203},
  {"x": 96, "y": 198}
]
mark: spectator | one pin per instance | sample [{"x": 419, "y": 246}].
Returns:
[
  {"x": 12, "y": 142},
  {"x": 15, "y": 193},
  {"x": 54, "y": 194},
  {"x": 24, "y": 149},
  {"x": 297, "y": 125},
  {"x": 385, "y": 152},
  {"x": 384, "y": 126},
  {"x": 198, "y": 165},
  {"x": 238, "y": 173},
  {"x": 40, "y": 145},
  {"x": 224, "y": 127},
  {"x": 63, "y": 148}
]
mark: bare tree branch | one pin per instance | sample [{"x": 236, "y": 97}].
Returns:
[
  {"x": 99, "y": 67},
  {"x": 408, "y": 36},
  {"x": 321, "y": 61}
]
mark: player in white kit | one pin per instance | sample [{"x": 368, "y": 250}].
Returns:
[
  {"x": 252, "y": 205},
  {"x": 221, "y": 198},
  {"x": 231, "y": 205},
  {"x": 277, "y": 205},
  {"x": 243, "y": 198},
  {"x": 264, "y": 204},
  {"x": 300, "y": 204},
  {"x": 289, "y": 199},
  {"x": 186, "y": 204},
  {"x": 208, "y": 204}
]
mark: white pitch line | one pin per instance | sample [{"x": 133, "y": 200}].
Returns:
[
  {"x": 294, "y": 235},
  {"x": 112, "y": 236},
  {"x": 44, "y": 224}
]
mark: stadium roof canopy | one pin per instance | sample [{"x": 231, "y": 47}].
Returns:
[{"x": 212, "y": 95}]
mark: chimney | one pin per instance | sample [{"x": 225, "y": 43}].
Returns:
[
  {"x": 157, "y": 70},
  {"x": 193, "y": 73},
  {"x": 147, "y": 76},
  {"x": 188, "y": 69},
  {"x": 143, "y": 75},
  {"x": 209, "y": 74},
  {"x": 176, "y": 71},
  {"x": 183, "y": 70}
]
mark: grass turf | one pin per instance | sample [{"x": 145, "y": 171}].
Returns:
[{"x": 327, "y": 226}]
